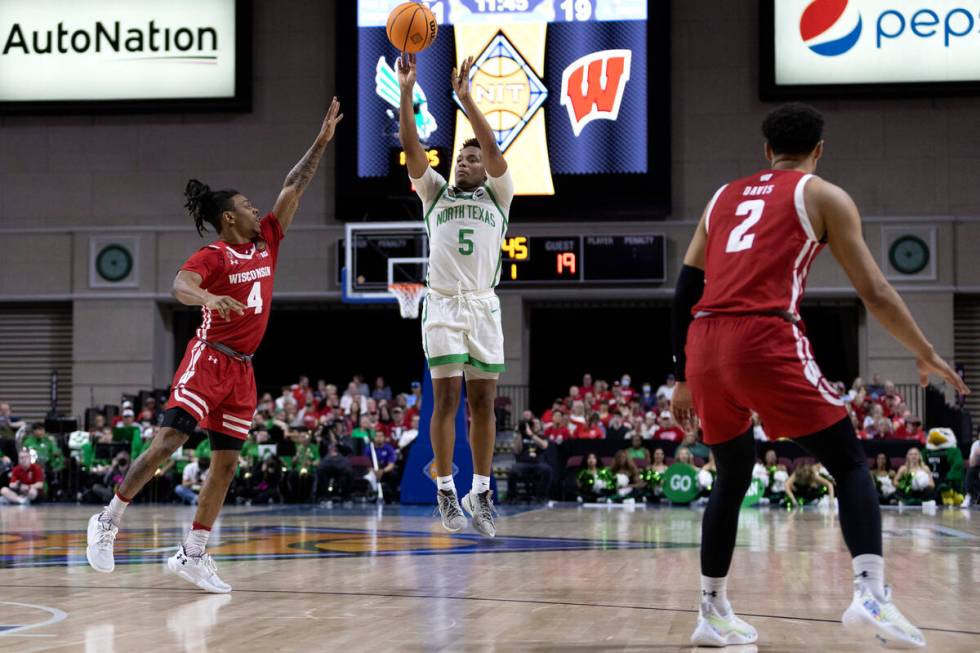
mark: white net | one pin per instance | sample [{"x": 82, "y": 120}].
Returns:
[{"x": 409, "y": 297}]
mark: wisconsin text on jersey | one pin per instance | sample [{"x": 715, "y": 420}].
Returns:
[{"x": 250, "y": 275}]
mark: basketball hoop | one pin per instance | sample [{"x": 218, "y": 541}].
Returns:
[{"x": 409, "y": 296}]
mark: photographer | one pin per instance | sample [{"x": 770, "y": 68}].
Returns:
[
  {"x": 195, "y": 473},
  {"x": 26, "y": 481},
  {"x": 531, "y": 465}
]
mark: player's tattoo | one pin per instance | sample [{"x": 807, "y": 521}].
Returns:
[{"x": 303, "y": 171}]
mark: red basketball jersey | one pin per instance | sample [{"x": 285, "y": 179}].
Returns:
[
  {"x": 245, "y": 273},
  {"x": 760, "y": 245}
]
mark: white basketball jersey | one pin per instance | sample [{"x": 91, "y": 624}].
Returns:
[{"x": 466, "y": 231}]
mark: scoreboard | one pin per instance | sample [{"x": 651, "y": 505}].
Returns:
[
  {"x": 560, "y": 260},
  {"x": 576, "y": 92}
]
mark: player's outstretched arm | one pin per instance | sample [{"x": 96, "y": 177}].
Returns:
[
  {"x": 493, "y": 159},
  {"x": 843, "y": 225},
  {"x": 415, "y": 158},
  {"x": 187, "y": 290},
  {"x": 301, "y": 174}
]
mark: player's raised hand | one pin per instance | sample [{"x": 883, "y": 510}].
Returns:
[
  {"x": 224, "y": 305},
  {"x": 405, "y": 67},
  {"x": 461, "y": 79},
  {"x": 933, "y": 363},
  {"x": 682, "y": 404},
  {"x": 330, "y": 121}
]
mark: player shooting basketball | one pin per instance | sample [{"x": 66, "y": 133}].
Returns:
[{"x": 461, "y": 328}]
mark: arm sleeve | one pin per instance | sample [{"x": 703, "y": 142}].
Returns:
[
  {"x": 428, "y": 186},
  {"x": 690, "y": 287},
  {"x": 502, "y": 188},
  {"x": 207, "y": 262}
]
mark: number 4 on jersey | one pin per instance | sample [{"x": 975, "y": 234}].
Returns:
[
  {"x": 255, "y": 297},
  {"x": 740, "y": 240}
]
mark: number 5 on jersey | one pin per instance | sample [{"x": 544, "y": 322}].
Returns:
[
  {"x": 466, "y": 245},
  {"x": 255, "y": 297},
  {"x": 740, "y": 240}
]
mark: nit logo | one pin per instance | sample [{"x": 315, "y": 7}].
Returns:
[
  {"x": 592, "y": 87},
  {"x": 506, "y": 89},
  {"x": 830, "y": 27}
]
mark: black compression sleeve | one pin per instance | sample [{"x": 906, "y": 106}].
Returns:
[{"x": 690, "y": 287}]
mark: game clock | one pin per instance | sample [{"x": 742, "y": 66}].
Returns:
[{"x": 576, "y": 92}]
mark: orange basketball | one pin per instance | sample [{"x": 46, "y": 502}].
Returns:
[{"x": 412, "y": 27}]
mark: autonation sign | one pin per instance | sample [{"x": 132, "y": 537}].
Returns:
[
  {"x": 876, "y": 41},
  {"x": 67, "y": 50}
]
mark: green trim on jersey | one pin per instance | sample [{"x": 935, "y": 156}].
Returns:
[
  {"x": 466, "y": 359},
  {"x": 434, "y": 202},
  {"x": 449, "y": 359},
  {"x": 493, "y": 198}
]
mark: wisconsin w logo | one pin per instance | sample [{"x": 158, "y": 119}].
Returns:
[{"x": 592, "y": 87}]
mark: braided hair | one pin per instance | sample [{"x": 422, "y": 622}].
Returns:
[{"x": 206, "y": 205}]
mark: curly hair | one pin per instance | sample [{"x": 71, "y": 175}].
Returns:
[
  {"x": 793, "y": 128},
  {"x": 206, "y": 205}
]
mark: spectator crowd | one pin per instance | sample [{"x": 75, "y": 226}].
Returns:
[{"x": 315, "y": 442}]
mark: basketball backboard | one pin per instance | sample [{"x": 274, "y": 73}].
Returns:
[{"x": 379, "y": 254}]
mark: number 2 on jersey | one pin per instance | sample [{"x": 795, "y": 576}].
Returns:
[
  {"x": 255, "y": 297},
  {"x": 740, "y": 240}
]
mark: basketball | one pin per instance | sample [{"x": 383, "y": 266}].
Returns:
[{"x": 412, "y": 27}]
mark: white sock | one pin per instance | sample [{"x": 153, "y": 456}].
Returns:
[
  {"x": 116, "y": 508},
  {"x": 446, "y": 483},
  {"x": 481, "y": 484},
  {"x": 714, "y": 591},
  {"x": 195, "y": 541},
  {"x": 870, "y": 569}
]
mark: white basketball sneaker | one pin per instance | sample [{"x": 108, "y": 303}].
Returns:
[
  {"x": 480, "y": 507},
  {"x": 197, "y": 570},
  {"x": 882, "y": 619},
  {"x": 715, "y": 629},
  {"x": 101, "y": 537},
  {"x": 453, "y": 519}
]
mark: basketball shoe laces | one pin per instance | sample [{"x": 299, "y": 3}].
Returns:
[
  {"x": 448, "y": 505},
  {"x": 106, "y": 537},
  {"x": 485, "y": 506}
]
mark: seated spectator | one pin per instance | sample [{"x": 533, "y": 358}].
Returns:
[
  {"x": 911, "y": 429},
  {"x": 647, "y": 398},
  {"x": 363, "y": 434},
  {"x": 914, "y": 480},
  {"x": 884, "y": 478},
  {"x": 302, "y": 469},
  {"x": 626, "y": 389},
  {"x": 587, "y": 387},
  {"x": 593, "y": 430},
  {"x": 650, "y": 427},
  {"x": 530, "y": 466},
  {"x": 629, "y": 485},
  {"x": 805, "y": 485},
  {"x": 618, "y": 429},
  {"x": 407, "y": 436},
  {"x": 26, "y": 481},
  {"x": 47, "y": 449},
  {"x": 667, "y": 389},
  {"x": 668, "y": 430},
  {"x": 385, "y": 473},
  {"x": 971, "y": 480},
  {"x": 578, "y": 420},
  {"x": 693, "y": 442},
  {"x": 684, "y": 455},
  {"x": 557, "y": 431},
  {"x": 774, "y": 475},
  {"x": 639, "y": 454},
  {"x": 195, "y": 473},
  {"x": 334, "y": 474},
  {"x": 707, "y": 476},
  {"x": 548, "y": 416},
  {"x": 604, "y": 415},
  {"x": 381, "y": 390},
  {"x": 9, "y": 423},
  {"x": 150, "y": 412}
]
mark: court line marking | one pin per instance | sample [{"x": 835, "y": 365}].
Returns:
[
  {"x": 472, "y": 598},
  {"x": 56, "y": 616}
]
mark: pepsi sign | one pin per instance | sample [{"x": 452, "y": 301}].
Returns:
[{"x": 841, "y": 44}]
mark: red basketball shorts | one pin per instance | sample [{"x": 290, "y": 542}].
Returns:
[
  {"x": 739, "y": 364},
  {"x": 216, "y": 389}
]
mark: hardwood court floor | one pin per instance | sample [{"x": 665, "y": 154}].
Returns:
[{"x": 555, "y": 579}]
